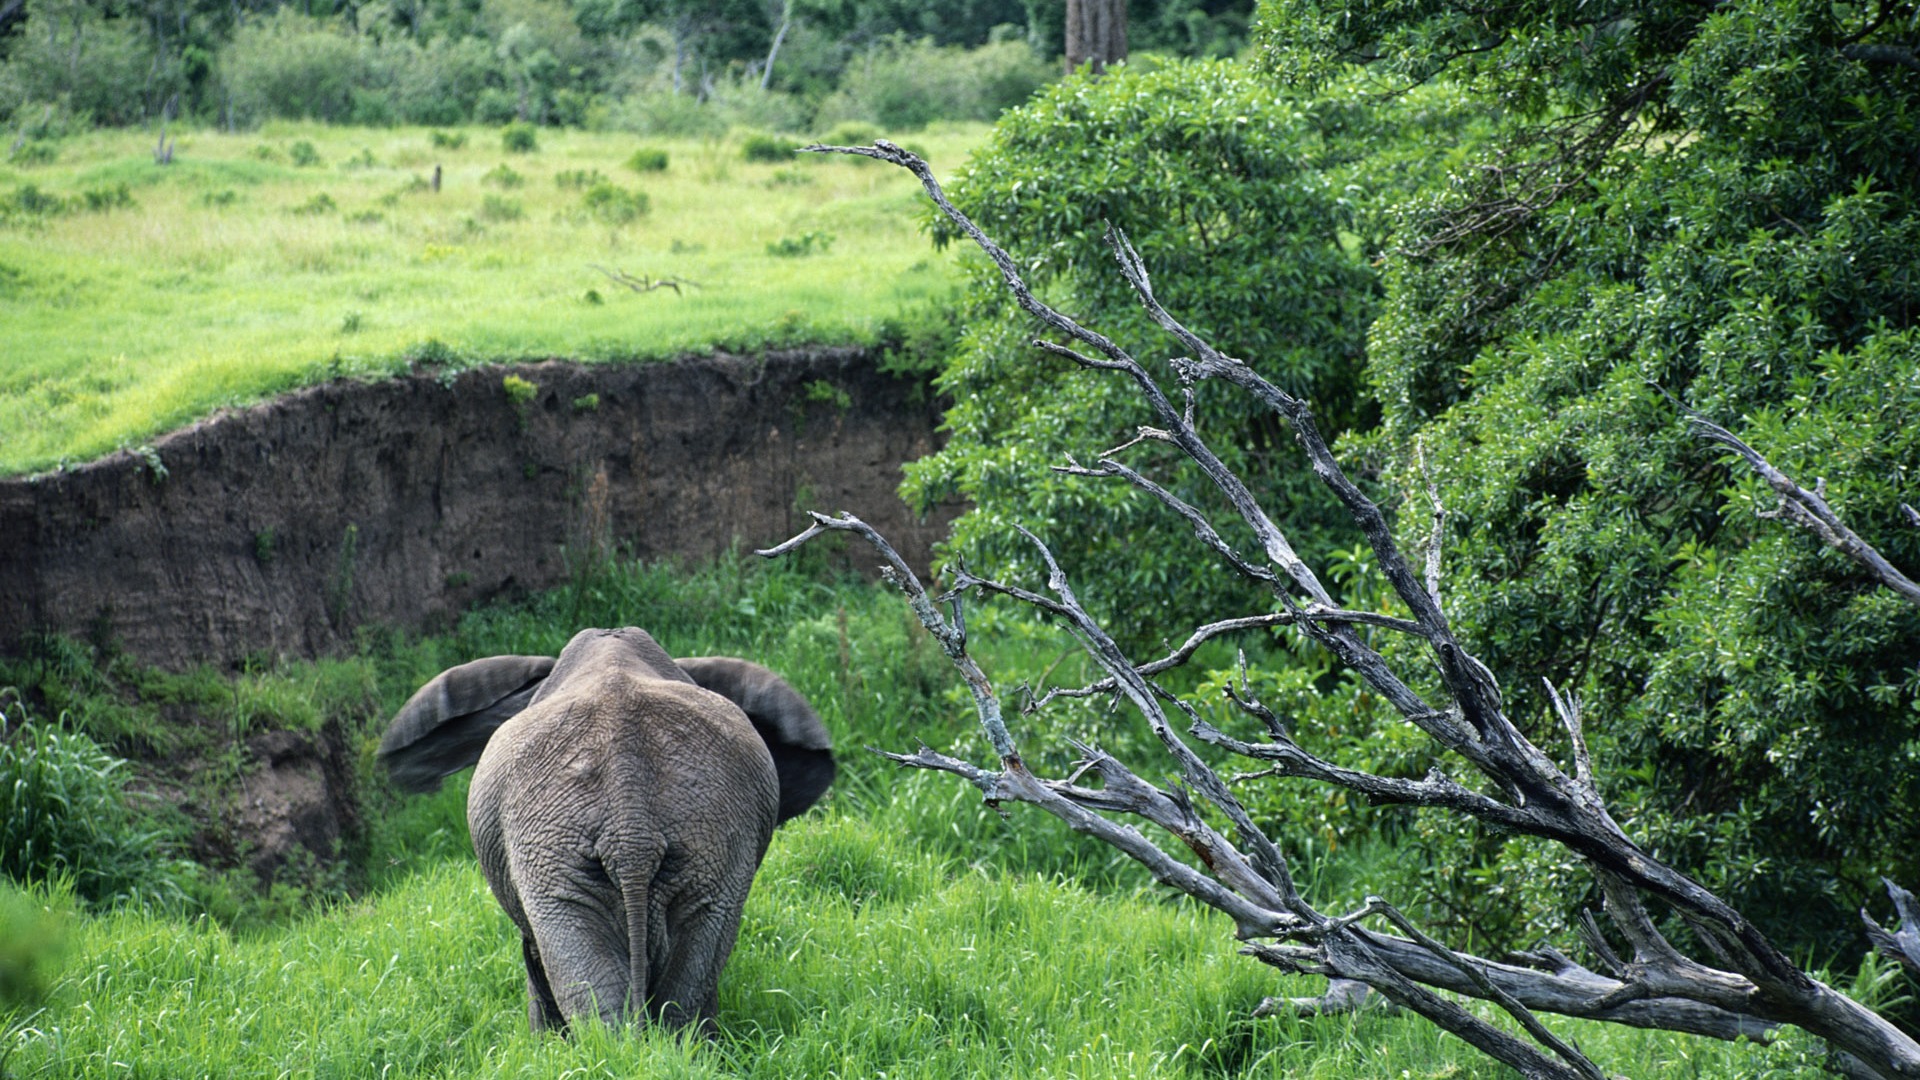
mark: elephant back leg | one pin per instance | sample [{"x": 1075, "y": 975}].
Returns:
[
  {"x": 704, "y": 918},
  {"x": 579, "y": 930}
]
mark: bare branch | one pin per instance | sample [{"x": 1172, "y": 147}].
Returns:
[
  {"x": 1756, "y": 985},
  {"x": 1809, "y": 510}
]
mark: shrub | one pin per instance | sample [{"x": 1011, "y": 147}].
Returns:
[
  {"x": 905, "y": 85},
  {"x": 759, "y": 146},
  {"x": 321, "y": 203},
  {"x": 614, "y": 205},
  {"x": 448, "y": 140},
  {"x": 289, "y": 65},
  {"x": 28, "y": 202},
  {"x": 64, "y": 817},
  {"x": 519, "y": 138},
  {"x": 1255, "y": 213},
  {"x": 303, "y": 154},
  {"x": 794, "y": 247},
  {"x": 499, "y": 208},
  {"x": 33, "y": 938},
  {"x": 503, "y": 177},
  {"x": 648, "y": 159},
  {"x": 112, "y": 197},
  {"x": 578, "y": 179}
]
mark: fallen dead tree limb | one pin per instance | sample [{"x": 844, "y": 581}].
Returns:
[{"x": 1491, "y": 771}]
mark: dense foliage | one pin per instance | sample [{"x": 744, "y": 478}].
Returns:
[
  {"x": 659, "y": 66},
  {"x": 64, "y": 817},
  {"x": 1695, "y": 207},
  {"x": 1256, "y": 211}
]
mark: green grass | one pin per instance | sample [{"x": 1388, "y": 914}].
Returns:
[
  {"x": 235, "y": 274},
  {"x": 902, "y": 929},
  {"x": 860, "y": 956}
]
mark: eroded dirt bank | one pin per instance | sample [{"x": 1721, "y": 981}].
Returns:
[{"x": 276, "y": 530}]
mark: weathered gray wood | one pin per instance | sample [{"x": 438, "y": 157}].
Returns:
[{"x": 1749, "y": 988}]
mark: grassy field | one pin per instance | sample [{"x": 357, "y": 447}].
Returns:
[
  {"x": 902, "y": 929},
  {"x": 136, "y": 297}
]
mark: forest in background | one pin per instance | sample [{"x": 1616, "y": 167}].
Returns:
[{"x": 661, "y": 67}]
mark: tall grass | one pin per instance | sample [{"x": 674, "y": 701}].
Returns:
[
  {"x": 902, "y": 929},
  {"x": 235, "y": 273}
]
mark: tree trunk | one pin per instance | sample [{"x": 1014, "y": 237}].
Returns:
[{"x": 1096, "y": 33}]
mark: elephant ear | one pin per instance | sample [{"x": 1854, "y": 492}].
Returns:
[
  {"x": 802, "y": 750},
  {"x": 445, "y": 725}
]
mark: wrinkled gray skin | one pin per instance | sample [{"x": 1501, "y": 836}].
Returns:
[{"x": 620, "y": 805}]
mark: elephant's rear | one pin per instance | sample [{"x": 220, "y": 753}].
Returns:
[{"x": 628, "y": 857}]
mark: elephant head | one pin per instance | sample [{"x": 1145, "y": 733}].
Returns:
[{"x": 621, "y": 803}]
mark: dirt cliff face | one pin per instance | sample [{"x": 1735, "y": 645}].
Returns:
[{"x": 276, "y": 530}]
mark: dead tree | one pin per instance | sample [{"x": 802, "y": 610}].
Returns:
[{"x": 1740, "y": 985}]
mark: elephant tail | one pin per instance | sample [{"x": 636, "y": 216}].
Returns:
[{"x": 445, "y": 725}]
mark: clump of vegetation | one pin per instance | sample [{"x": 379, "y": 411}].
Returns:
[
  {"x": 321, "y": 203},
  {"x": 35, "y": 152},
  {"x": 578, "y": 179},
  {"x": 760, "y": 146},
  {"x": 303, "y": 154},
  {"x": 34, "y": 931},
  {"x": 519, "y": 137},
  {"x": 797, "y": 247},
  {"x": 503, "y": 177},
  {"x": 614, "y": 205},
  {"x": 447, "y": 140},
  {"x": 111, "y": 197},
  {"x": 520, "y": 391},
  {"x": 586, "y": 403},
  {"x": 216, "y": 199},
  {"x": 499, "y": 208},
  {"x": 648, "y": 159},
  {"x": 64, "y": 817}
]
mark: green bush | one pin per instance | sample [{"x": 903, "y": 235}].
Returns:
[
  {"x": 289, "y": 65},
  {"x": 448, "y": 140},
  {"x": 648, "y": 159},
  {"x": 578, "y": 179},
  {"x": 320, "y": 204},
  {"x": 64, "y": 817},
  {"x": 303, "y": 154},
  {"x": 1257, "y": 213},
  {"x": 759, "y": 146},
  {"x": 498, "y": 208},
  {"x": 614, "y": 205},
  {"x": 795, "y": 247},
  {"x": 519, "y": 137},
  {"x": 1752, "y": 697},
  {"x": 33, "y": 937},
  {"x": 503, "y": 177},
  {"x": 904, "y": 85}
]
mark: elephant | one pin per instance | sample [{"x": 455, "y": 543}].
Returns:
[{"x": 621, "y": 803}]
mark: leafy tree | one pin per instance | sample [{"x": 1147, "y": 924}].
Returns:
[
  {"x": 1688, "y": 206},
  {"x": 1256, "y": 210}
]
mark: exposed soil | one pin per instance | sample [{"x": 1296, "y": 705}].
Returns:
[{"x": 277, "y": 530}]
